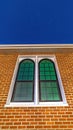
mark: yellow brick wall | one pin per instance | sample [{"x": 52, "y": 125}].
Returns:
[{"x": 40, "y": 118}]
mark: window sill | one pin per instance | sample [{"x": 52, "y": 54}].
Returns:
[{"x": 49, "y": 104}]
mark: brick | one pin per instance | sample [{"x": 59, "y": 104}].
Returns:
[
  {"x": 12, "y": 116},
  {"x": 34, "y": 122},
  {"x": 13, "y": 127},
  {"x": 47, "y": 126},
  {"x": 68, "y": 112},
  {"x": 14, "y": 119},
  {"x": 30, "y": 126},
  {"x": 2, "y": 123},
  {"x": 30, "y": 119},
  {"x": 9, "y": 123},
  {"x": 70, "y": 126},
  {"x": 50, "y": 123},
  {"x": 58, "y": 123},
  {"x": 17, "y": 123},
  {"x": 21, "y": 127},
  {"x": 55, "y": 126},
  {"x": 25, "y": 123},
  {"x": 66, "y": 122},
  {"x": 63, "y": 126},
  {"x": 41, "y": 123},
  {"x": 5, "y": 127},
  {"x": 38, "y": 126}
]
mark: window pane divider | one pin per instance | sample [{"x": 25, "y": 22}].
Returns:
[{"x": 36, "y": 82}]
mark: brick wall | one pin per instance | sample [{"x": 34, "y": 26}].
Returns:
[{"x": 36, "y": 118}]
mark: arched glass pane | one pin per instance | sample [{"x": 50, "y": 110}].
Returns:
[
  {"x": 24, "y": 85},
  {"x": 48, "y": 83},
  {"x": 47, "y": 70},
  {"x": 26, "y": 70}
]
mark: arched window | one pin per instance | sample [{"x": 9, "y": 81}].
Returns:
[
  {"x": 24, "y": 84},
  {"x": 48, "y": 82},
  {"x": 36, "y": 81}
]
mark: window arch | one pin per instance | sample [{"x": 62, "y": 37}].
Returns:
[
  {"x": 24, "y": 84},
  {"x": 48, "y": 82}
]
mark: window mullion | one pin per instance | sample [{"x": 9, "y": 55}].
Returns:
[{"x": 36, "y": 82}]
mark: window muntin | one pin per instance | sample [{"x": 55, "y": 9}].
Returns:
[
  {"x": 48, "y": 83},
  {"x": 24, "y": 84}
]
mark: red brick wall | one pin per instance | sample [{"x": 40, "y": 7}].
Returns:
[{"x": 36, "y": 118}]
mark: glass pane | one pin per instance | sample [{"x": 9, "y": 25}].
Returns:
[
  {"x": 55, "y": 90},
  {"x": 51, "y": 69},
  {"x": 48, "y": 77},
  {"x": 42, "y": 77},
  {"x": 49, "y": 91},
  {"x": 53, "y": 77},
  {"x": 52, "y": 73},
  {"x": 47, "y": 70},
  {"x": 56, "y": 97},
  {"x": 26, "y": 70},
  {"x": 23, "y": 92},
  {"x": 47, "y": 73}
]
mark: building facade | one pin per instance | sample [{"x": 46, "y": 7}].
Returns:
[{"x": 35, "y": 111}]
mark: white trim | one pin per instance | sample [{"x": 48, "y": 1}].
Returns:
[
  {"x": 12, "y": 82},
  {"x": 36, "y": 103},
  {"x": 49, "y": 104},
  {"x": 36, "y": 82},
  {"x": 60, "y": 82},
  {"x": 34, "y": 46}
]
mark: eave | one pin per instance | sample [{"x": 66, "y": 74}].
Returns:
[
  {"x": 36, "y": 48},
  {"x": 23, "y": 46}
]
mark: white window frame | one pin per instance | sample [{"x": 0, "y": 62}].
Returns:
[{"x": 36, "y": 102}]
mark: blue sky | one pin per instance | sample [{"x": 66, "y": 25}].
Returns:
[{"x": 36, "y": 21}]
